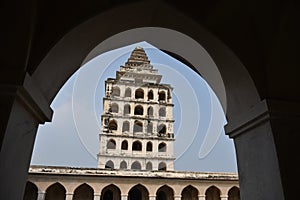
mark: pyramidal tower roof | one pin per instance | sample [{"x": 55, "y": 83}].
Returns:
[
  {"x": 138, "y": 68},
  {"x": 138, "y": 57}
]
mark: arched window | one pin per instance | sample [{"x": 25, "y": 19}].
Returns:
[
  {"x": 111, "y": 144},
  {"x": 139, "y": 93},
  {"x": 162, "y": 166},
  {"x": 162, "y": 112},
  {"x": 149, "y": 166},
  {"x": 149, "y": 127},
  {"x": 137, "y": 146},
  {"x": 55, "y": 191},
  {"x": 234, "y": 193},
  {"x": 149, "y": 146},
  {"x": 110, "y": 192},
  {"x": 150, "y": 111},
  {"x": 115, "y": 92},
  {"x": 139, "y": 110},
  {"x": 138, "y": 126},
  {"x": 212, "y": 193},
  {"x": 125, "y": 127},
  {"x": 109, "y": 165},
  {"x": 114, "y": 108},
  {"x": 84, "y": 191},
  {"x": 31, "y": 191},
  {"x": 128, "y": 92},
  {"x": 127, "y": 109},
  {"x": 161, "y": 96},
  {"x": 162, "y": 147},
  {"x": 138, "y": 192},
  {"x": 150, "y": 95},
  {"x": 161, "y": 129},
  {"x": 124, "y": 145},
  {"x": 165, "y": 193},
  {"x": 136, "y": 165},
  {"x": 112, "y": 125},
  {"x": 189, "y": 193},
  {"x": 123, "y": 165}
]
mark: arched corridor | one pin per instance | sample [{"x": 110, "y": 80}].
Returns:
[
  {"x": 165, "y": 193},
  {"x": 83, "y": 192},
  {"x": 111, "y": 192},
  {"x": 189, "y": 193},
  {"x": 55, "y": 192},
  {"x": 138, "y": 192},
  {"x": 31, "y": 191}
]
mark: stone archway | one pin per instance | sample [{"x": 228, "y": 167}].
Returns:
[
  {"x": 111, "y": 192},
  {"x": 165, "y": 193},
  {"x": 238, "y": 94},
  {"x": 138, "y": 192},
  {"x": 83, "y": 192},
  {"x": 55, "y": 191},
  {"x": 31, "y": 191},
  {"x": 189, "y": 193}
]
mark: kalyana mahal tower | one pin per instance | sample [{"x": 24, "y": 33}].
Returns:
[
  {"x": 137, "y": 120},
  {"x": 135, "y": 160}
]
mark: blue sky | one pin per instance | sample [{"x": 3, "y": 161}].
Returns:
[{"x": 72, "y": 138}]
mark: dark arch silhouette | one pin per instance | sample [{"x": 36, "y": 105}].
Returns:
[
  {"x": 124, "y": 145},
  {"x": 136, "y": 165},
  {"x": 189, "y": 193},
  {"x": 149, "y": 166},
  {"x": 111, "y": 144},
  {"x": 31, "y": 191},
  {"x": 55, "y": 191},
  {"x": 115, "y": 91},
  {"x": 162, "y": 166},
  {"x": 138, "y": 110},
  {"x": 139, "y": 93},
  {"x": 83, "y": 192},
  {"x": 123, "y": 165},
  {"x": 109, "y": 165},
  {"x": 162, "y": 147},
  {"x": 165, "y": 193},
  {"x": 138, "y": 192},
  {"x": 113, "y": 125},
  {"x": 212, "y": 193},
  {"x": 137, "y": 146},
  {"x": 138, "y": 126},
  {"x": 111, "y": 192},
  {"x": 234, "y": 193}
]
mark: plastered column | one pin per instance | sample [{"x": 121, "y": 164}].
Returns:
[
  {"x": 23, "y": 108},
  {"x": 177, "y": 197},
  {"x": 97, "y": 196},
  {"x": 69, "y": 196},
  {"x": 41, "y": 195},
  {"x": 224, "y": 197},
  {"x": 124, "y": 196},
  {"x": 201, "y": 197},
  {"x": 152, "y": 197},
  {"x": 258, "y": 166}
]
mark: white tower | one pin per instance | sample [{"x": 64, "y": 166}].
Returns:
[{"x": 137, "y": 120}]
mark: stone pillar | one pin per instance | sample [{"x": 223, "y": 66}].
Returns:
[
  {"x": 177, "y": 197},
  {"x": 41, "y": 195},
  {"x": 258, "y": 166},
  {"x": 224, "y": 197},
  {"x": 152, "y": 197},
  {"x": 124, "y": 196},
  {"x": 23, "y": 108},
  {"x": 201, "y": 197},
  {"x": 97, "y": 196},
  {"x": 69, "y": 196}
]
